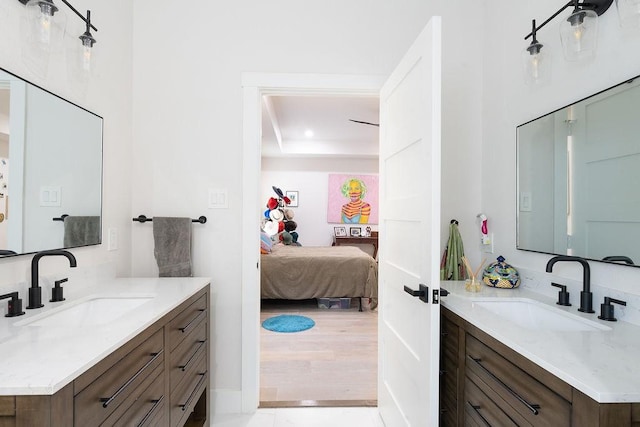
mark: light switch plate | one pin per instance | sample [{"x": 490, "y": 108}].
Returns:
[
  {"x": 218, "y": 199},
  {"x": 50, "y": 196}
]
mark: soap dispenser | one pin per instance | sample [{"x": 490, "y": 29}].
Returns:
[{"x": 606, "y": 309}]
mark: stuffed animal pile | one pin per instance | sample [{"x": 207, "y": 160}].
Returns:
[{"x": 278, "y": 220}]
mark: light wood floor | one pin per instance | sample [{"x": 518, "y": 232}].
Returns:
[{"x": 332, "y": 364}]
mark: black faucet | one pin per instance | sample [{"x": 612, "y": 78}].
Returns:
[
  {"x": 586, "y": 297},
  {"x": 35, "y": 292}
]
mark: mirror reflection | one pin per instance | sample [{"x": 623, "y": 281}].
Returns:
[
  {"x": 50, "y": 170},
  {"x": 578, "y": 170}
]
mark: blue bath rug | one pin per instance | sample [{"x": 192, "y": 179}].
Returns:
[{"x": 288, "y": 323}]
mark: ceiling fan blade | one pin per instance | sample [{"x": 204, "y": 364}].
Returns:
[{"x": 364, "y": 123}]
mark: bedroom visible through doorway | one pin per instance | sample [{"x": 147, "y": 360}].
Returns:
[{"x": 304, "y": 140}]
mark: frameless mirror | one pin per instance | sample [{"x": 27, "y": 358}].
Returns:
[
  {"x": 50, "y": 170},
  {"x": 578, "y": 172}
]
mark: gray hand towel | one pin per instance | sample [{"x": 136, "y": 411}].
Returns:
[
  {"x": 81, "y": 230},
  {"x": 172, "y": 238}
]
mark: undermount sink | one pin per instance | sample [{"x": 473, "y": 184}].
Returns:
[
  {"x": 531, "y": 314},
  {"x": 89, "y": 312}
]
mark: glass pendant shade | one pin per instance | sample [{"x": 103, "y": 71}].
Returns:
[
  {"x": 629, "y": 13},
  {"x": 579, "y": 35},
  {"x": 45, "y": 25},
  {"x": 536, "y": 64}
]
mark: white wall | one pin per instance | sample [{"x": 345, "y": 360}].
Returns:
[
  {"x": 508, "y": 102},
  {"x": 187, "y": 114},
  {"x": 108, "y": 93},
  {"x": 310, "y": 178}
]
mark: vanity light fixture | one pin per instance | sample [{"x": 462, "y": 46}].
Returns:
[
  {"x": 46, "y": 26},
  {"x": 578, "y": 33}
]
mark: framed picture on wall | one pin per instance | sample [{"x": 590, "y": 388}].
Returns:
[
  {"x": 340, "y": 231},
  {"x": 293, "y": 196},
  {"x": 354, "y": 231}
]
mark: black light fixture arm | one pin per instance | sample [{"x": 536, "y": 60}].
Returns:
[
  {"x": 598, "y": 6},
  {"x": 86, "y": 20}
]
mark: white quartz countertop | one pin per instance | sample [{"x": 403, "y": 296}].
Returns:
[
  {"x": 39, "y": 357},
  {"x": 603, "y": 364}
]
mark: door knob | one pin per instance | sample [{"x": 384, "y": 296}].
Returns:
[{"x": 422, "y": 292}]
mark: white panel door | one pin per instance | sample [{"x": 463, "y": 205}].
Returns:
[{"x": 410, "y": 235}]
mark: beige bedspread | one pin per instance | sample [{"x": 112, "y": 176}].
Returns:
[{"x": 305, "y": 272}]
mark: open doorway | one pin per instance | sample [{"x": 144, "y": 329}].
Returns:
[
  {"x": 307, "y": 142},
  {"x": 255, "y": 86}
]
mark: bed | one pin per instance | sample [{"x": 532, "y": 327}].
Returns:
[{"x": 306, "y": 272}]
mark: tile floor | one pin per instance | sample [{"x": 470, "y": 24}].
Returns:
[{"x": 303, "y": 417}]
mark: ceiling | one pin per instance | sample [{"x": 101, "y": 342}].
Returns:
[{"x": 319, "y": 126}]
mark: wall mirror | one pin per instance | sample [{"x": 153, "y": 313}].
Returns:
[
  {"x": 578, "y": 178},
  {"x": 50, "y": 170}
]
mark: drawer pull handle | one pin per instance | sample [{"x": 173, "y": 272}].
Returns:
[
  {"x": 476, "y": 409},
  {"x": 156, "y": 403},
  {"x": 192, "y": 321},
  {"x": 531, "y": 406},
  {"x": 106, "y": 401},
  {"x": 184, "y": 367},
  {"x": 193, "y": 393}
]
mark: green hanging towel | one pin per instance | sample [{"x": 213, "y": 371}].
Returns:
[{"x": 451, "y": 266}]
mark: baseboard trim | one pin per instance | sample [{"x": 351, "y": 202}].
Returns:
[
  {"x": 226, "y": 402},
  {"x": 317, "y": 403}
]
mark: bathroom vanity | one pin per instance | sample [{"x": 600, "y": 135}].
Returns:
[
  {"x": 134, "y": 352},
  {"x": 496, "y": 372}
]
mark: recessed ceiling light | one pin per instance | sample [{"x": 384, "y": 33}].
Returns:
[{"x": 308, "y": 133}]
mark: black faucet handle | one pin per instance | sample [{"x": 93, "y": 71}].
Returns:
[
  {"x": 56, "y": 292},
  {"x": 14, "y": 305},
  {"x": 563, "y": 295},
  {"x": 606, "y": 309}
]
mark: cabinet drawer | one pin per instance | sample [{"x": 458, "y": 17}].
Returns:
[
  {"x": 523, "y": 393},
  {"x": 100, "y": 398},
  {"x": 184, "y": 357},
  {"x": 186, "y": 321},
  {"x": 480, "y": 410},
  {"x": 147, "y": 404},
  {"x": 185, "y": 396},
  {"x": 7, "y": 406}
]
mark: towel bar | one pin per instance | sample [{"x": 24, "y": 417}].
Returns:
[
  {"x": 62, "y": 217},
  {"x": 142, "y": 218}
]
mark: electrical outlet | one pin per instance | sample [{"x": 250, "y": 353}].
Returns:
[
  {"x": 487, "y": 243},
  {"x": 112, "y": 239}
]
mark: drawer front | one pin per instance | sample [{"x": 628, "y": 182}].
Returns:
[
  {"x": 181, "y": 325},
  {"x": 185, "y": 356},
  {"x": 524, "y": 394},
  {"x": 184, "y": 397},
  {"x": 98, "y": 400},
  {"x": 480, "y": 410},
  {"x": 7, "y": 406},
  {"x": 147, "y": 404}
]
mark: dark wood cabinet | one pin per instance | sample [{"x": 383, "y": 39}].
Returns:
[
  {"x": 485, "y": 383},
  {"x": 158, "y": 378}
]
